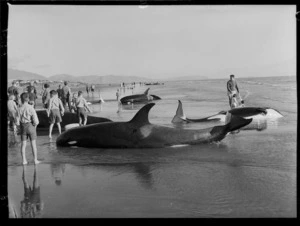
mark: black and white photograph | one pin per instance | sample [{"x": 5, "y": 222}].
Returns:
[{"x": 151, "y": 111}]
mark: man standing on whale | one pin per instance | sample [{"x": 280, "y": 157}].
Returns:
[{"x": 232, "y": 88}]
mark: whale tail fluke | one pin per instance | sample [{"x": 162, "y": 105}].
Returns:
[{"x": 179, "y": 116}]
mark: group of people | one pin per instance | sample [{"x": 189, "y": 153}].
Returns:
[
  {"x": 90, "y": 89},
  {"x": 22, "y": 113}
]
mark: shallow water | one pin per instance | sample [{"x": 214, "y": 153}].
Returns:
[{"x": 248, "y": 174}]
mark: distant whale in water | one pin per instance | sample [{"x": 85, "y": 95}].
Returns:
[
  {"x": 137, "y": 98},
  {"x": 140, "y": 133},
  {"x": 245, "y": 112},
  {"x": 68, "y": 118}
]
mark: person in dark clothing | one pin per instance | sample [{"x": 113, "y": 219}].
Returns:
[
  {"x": 32, "y": 97},
  {"x": 59, "y": 91},
  {"x": 232, "y": 88},
  {"x": 92, "y": 89},
  {"x": 46, "y": 95},
  {"x": 66, "y": 95},
  {"x": 30, "y": 87},
  {"x": 87, "y": 89}
]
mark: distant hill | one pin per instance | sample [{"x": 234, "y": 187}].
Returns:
[
  {"x": 97, "y": 79},
  {"x": 23, "y": 75},
  {"x": 62, "y": 77},
  {"x": 182, "y": 78},
  {"x": 91, "y": 79}
]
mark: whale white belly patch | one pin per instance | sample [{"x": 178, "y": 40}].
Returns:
[
  {"x": 179, "y": 145},
  {"x": 72, "y": 142}
]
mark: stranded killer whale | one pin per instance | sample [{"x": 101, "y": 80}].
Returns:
[
  {"x": 245, "y": 112},
  {"x": 67, "y": 118},
  {"x": 140, "y": 133},
  {"x": 139, "y": 98}
]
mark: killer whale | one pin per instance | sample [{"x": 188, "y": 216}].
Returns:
[
  {"x": 140, "y": 133},
  {"x": 245, "y": 112},
  {"x": 137, "y": 98}
]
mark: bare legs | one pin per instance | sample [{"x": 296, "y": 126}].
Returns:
[
  {"x": 23, "y": 147},
  {"x": 50, "y": 130},
  {"x": 59, "y": 128},
  {"x": 51, "y": 127},
  {"x": 85, "y": 120},
  {"x": 34, "y": 151}
]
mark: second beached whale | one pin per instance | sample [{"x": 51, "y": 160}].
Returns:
[
  {"x": 140, "y": 133},
  {"x": 138, "y": 98},
  {"x": 245, "y": 112}
]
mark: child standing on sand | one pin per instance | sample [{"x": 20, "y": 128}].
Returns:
[
  {"x": 81, "y": 104},
  {"x": 12, "y": 112},
  {"x": 54, "y": 111},
  {"x": 28, "y": 123},
  {"x": 118, "y": 94}
]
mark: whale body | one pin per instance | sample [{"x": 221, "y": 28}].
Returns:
[
  {"x": 138, "y": 98},
  {"x": 258, "y": 113},
  {"x": 140, "y": 133}
]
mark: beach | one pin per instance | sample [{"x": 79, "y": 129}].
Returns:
[{"x": 248, "y": 174}]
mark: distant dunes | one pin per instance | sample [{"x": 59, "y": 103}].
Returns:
[{"x": 92, "y": 79}]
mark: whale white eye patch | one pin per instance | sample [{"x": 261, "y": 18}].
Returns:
[{"x": 72, "y": 142}]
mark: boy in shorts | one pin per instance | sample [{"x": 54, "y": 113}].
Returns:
[
  {"x": 28, "y": 122},
  {"x": 81, "y": 105},
  {"x": 54, "y": 111}
]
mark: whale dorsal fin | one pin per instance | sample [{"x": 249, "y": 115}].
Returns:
[
  {"x": 146, "y": 92},
  {"x": 141, "y": 117},
  {"x": 179, "y": 116}
]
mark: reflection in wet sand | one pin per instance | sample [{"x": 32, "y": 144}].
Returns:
[
  {"x": 57, "y": 172},
  {"x": 31, "y": 205},
  {"x": 141, "y": 170}
]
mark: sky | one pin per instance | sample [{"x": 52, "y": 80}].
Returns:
[{"x": 154, "y": 42}]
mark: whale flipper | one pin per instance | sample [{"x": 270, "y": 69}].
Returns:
[
  {"x": 155, "y": 97},
  {"x": 146, "y": 92},
  {"x": 142, "y": 116},
  {"x": 237, "y": 122}
]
